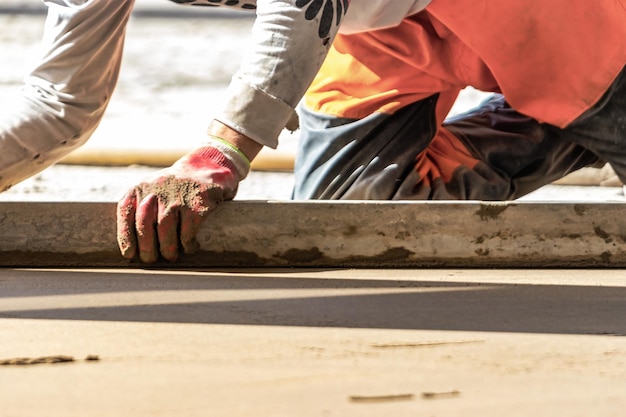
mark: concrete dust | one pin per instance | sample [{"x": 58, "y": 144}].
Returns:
[{"x": 173, "y": 191}]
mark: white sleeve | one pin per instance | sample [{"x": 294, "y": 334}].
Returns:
[
  {"x": 64, "y": 97},
  {"x": 292, "y": 39}
]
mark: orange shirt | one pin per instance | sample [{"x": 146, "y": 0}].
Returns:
[{"x": 552, "y": 59}]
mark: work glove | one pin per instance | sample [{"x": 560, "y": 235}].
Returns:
[{"x": 163, "y": 214}]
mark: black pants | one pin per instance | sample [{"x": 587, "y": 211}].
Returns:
[{"x": 490, "y": 153}]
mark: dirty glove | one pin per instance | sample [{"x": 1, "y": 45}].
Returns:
[{"x": 163, "y": 214}]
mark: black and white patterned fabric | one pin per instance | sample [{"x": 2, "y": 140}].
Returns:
[{"x": 331, "y": 11}]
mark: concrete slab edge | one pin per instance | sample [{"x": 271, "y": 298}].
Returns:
[{"x": 334, "y": 234}]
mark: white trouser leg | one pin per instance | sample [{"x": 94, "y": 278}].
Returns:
[{"x": 65, "y": 96}]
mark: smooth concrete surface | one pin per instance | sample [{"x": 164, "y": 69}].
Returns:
[
  {"x": 335, "y": 234},
  {"x": 293, "y": 342}
]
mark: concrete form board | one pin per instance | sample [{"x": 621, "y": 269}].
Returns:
[{"x": 335, "y": 234}]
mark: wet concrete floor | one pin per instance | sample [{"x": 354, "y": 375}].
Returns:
[{"x": 292, "y": 342}]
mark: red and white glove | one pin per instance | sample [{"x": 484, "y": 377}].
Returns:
[{"x": 163, "y": 214}]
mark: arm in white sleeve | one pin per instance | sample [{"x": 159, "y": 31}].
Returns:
[
  {"x": 64, "y": 97},
  {"x": 292, "y": 39}
]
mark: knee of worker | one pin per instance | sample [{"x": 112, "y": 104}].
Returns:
[
  {"x": 29, "y": 150},
  {"x": 333, "y": 150},
  {"x": 69, "y": 118},
  {"x": 344, "y": 158},
  {"x": 37, "y": 133}
]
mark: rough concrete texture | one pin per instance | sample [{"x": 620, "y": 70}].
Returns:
[
  {"x": 314, "y": 343},
  {"x": 335, "y": 234}
]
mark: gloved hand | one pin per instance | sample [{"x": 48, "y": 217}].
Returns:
[{"x": 163, "y": 214}]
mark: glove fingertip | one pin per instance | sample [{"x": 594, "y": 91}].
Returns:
[
  {"x": 190, "y": 246},
  {"x": 127, "y": 248},
  {"x": 126, "y": 235},
  {"x": 148, "y": 257}
]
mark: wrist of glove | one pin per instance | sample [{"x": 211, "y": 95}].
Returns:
[
  {"x": 162, "y": 215},
  {"x": 218, "y": 162}
]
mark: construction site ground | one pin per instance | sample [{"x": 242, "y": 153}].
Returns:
[
  {"x": 291, "y": 341},
  {"x": 314, "y": 342}
]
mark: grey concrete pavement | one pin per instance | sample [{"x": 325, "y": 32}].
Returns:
[{"x": 314, "y": 343}]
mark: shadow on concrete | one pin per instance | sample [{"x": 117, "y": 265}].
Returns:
[{"x": 346, "y": 303}]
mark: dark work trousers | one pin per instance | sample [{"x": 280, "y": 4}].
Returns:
[{"x": 489, "y": 153}]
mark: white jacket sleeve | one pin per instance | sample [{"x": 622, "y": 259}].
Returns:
[
  {"x": 292, "y": 39},
  {"x": 64, "y": 97}
]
